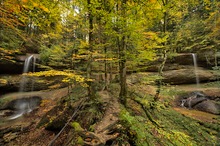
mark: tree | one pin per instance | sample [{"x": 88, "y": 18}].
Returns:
[
  {"x": 170, "y": 16},
  {"x": 11, "y": 36}
]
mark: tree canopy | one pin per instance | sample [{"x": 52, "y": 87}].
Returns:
[{"x": 108, "y": 35}]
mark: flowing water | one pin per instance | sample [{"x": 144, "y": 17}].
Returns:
[
  {"x": 196, "y": 69},
  {"x": 29, "y": 62},
  {"x": 189, "y": 100},
  {"x": 24, "y": 106}
]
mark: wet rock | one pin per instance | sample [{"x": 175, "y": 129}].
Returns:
[
  {"x": 208, "y": 106},
  {"x": 15, "y": 64},
  {"x": 200, "y": 101},
  {"x": 23, "y": 103},
  {"x": 198, "y": 94},
  {"x": 9, "y": 83},
  {"x": 14, "y": 109},
  {"x": 192, "y": 101}
]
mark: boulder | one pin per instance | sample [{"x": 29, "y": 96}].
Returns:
[
  {"x": 192, "y": 101},
  {"x": 208, "y": 106},
  {"x": 200, "y": 101},
  {"x": 187, "y": 76}
]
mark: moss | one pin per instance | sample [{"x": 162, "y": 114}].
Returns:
[
  {"x": 80, "y": 140},
  {"x": 91, "y": 114},
  {"x": 171, "y": 128},
  {"x": 77, "y": 126},
  {"x": 92, "y": 127},
  {"x": 197, "y": 133},
  {"x": 137, "y": 129}
]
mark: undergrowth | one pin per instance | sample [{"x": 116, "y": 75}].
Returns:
[
  {"x": 149, "y": 123},
  {"x": 163, "y": 125}
]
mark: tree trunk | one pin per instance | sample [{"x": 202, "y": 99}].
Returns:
[
  {"x": 122, "y": 72},
  {"x": 110, "y": 72},
  {"x": 90, "y": 41},
  {"x": 160, "y": 71},
  {"x": 106, "y": 72},
  {"x": 122, "y": 59},
  {"x": 164, "y": 57}
]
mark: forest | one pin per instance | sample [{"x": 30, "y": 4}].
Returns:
[{"x": 109, "y": 72}]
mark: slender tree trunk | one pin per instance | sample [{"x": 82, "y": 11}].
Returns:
[
  {"x": 160, "y": 72},
  {"x": 90, "y": 41},
  {"x": 122, "y": 58},
  {"x": 122, "y": 71},
  {"x": 110, "y": 71},
  {"x": 106, "y": 71},
  {"x": 164, "y": 57}
]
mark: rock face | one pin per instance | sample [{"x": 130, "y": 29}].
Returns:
[
  {"x": 11, "y": 67},
  {"x": 187, "y": 76},
  {"x": 12, "y": 83},
  {"x": 202, "y": 102},
  {"x": 15, "y": 64},
  {"x": 182, "y": 60}
]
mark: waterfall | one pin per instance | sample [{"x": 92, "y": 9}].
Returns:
[
  {"x": 24, "y": 106},
  {"x": 29, "y": 62},
  {"x": 195, "y": 69}
]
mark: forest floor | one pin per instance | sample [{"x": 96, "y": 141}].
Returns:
[
  {"x": 30, "y": 135},
  {"x": 23, "y": 130}
]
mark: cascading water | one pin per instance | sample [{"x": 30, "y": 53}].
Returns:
[
  {"x": 24, "y": 106},
  {"x": 29, "y": 62},
  {"x": 195, "y": 69}
]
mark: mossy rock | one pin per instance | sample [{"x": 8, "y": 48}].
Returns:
[{"x": 77, "y": 127}]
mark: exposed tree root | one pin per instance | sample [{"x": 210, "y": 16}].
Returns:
[
  {"x": 145, "y": 110},
  {"x": 105, "y": 130},
  {"x": 96, "y": 139}
]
